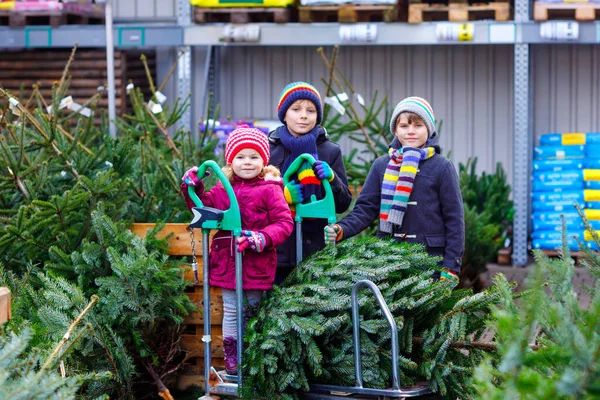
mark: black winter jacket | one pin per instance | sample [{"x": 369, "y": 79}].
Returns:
[
  {"x": 312, "y": 230},
  {"x": 435, "y": 215}
]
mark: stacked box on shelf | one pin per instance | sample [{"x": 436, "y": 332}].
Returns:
[{"x": 566, "y": 171}]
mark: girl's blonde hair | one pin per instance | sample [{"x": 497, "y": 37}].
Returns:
[{"x": 269, "y": 169}]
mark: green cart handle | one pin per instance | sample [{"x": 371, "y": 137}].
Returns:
[
  {"x": 324, "y": 208},
  {"x": 232, "y": 220}
]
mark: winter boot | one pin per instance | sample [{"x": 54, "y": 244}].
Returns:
[{"x": 230, "y": 351}]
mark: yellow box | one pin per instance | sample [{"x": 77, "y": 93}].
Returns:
[
  {"x": 592, "y": 214},
  {"x": 587, "y": 235},
  {"x": 591, "y": 174},
  {"x": 7, "y": 5},
  {"x": 241, "y": 3},
  {"x": 573, "y": 138},
  {"x": 591, "y": 195}
]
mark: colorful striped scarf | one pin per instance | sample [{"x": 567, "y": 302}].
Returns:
[{"x": 398, "y": 182}]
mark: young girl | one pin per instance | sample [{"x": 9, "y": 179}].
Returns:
[
  {"x": 266, "y": 223},
  {"x": 300, "y": 110},
  {"x": 413, "y": 190}
]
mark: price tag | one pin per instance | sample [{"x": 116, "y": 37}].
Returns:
[
  {"x": 559, "y": 30},
  {"x": 241, "y": 33},
  {"x": 448, "y": 32},
  {"x": 361, "y": 33}
]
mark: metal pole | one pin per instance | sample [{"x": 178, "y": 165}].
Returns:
[
  {"x": 299, "y": 243},
  {"x": 206, "y": 289},
  {"x": 239, "y": 292},
  {"x": 522, "y": 142},
  {"x": 110, "y": 69},
  {"x": 356, "y": 332}
]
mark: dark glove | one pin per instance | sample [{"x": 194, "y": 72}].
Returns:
[
  {"x": 323, "y": 170},
  {"x": 255, "y": 240}
]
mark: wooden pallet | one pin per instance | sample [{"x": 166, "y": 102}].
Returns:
[
  {"x": 458, "y": 12},
  {"x": 347, "y": 13},
  {"x": 576, "y": 11},
  {"x": 46, "y": 17},
  {"x": 575, "y": 255},
  {"x": 191, "y": 340},
  {"x": 239, "y": 15},
  {"x": 20, "y": 70}
]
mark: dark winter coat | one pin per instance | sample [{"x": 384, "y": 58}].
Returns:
[
  {"x": 263, "y": 209},
  {"x": 434, "y": 216},
  {"x": 312, "y": 230}
]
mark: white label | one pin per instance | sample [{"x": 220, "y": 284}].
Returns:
[
  {"x": 13, "y": 106},
  {"x": 13, "y": 102},
  {"x": 129, "y": 88},
  {"x": 502, "y": 33},
  {"x": 160, "y": 97},
  {"x": 86, "y": 112},
  {"x": 154, "y": 107},
  {"x": 450, "y": 32},
  {"x": 333, "y": 102},
  {"x": 66, "y": 102},
  {"x": 241, "y": 33},
  {"x": 363, "y": 33},
  {"x": 559, "y": 30},
  {"x": 342, "y": 96},
  {"x": 359, "y": 99}
]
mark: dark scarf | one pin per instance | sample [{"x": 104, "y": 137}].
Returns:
[{"x": 299, "y": 145}]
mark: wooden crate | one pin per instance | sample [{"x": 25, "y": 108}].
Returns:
[
  {"x": 53, "y": 18},
  {"x": 5, "y": 311},
  {"x": 347, "y": 13},
  {"x": 458, "y": 12},
  {"x": 191, "y": 341},
  {"x": 575, "y": 255},
  {"x": 20, "y": 70},
  {"x": 576, "y": 11},
  {"x": 242, "y": 15}
]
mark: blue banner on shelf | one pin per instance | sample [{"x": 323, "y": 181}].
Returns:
[
  {"x": 556, "y": 206},
  {"x": 566, "y": 139},
  {"x": 554, "y": 176},
  {"x": 594, "y": 205},
  {"x": 555, "y": 234},
  {"x": 593, "y": 150},
  {"x": 557, "y": 186},
  {"x": 543, "y": 244},
  {"x": 573, "y": 197},
  {"x": 558, "y": 165},
  {"x": 556, "y": 216},
  {"x": 556, "y": 225},
  {"x": 592, "y": 185},
  {"x": 591, "y": 163},
  {"x": 559, "y": 152}
]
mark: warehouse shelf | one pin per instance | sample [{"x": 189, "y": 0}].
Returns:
[
  {"x": 65, "y": 36},
  {"x": 522, "y": 34}
]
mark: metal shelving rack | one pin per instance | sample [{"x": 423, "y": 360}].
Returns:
[{"x": 521, "y": 33}]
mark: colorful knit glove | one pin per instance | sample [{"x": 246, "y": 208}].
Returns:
[
  {"x": 448, "y": 274},
  {"x": 323, "y": 170},
  {"x": 190, "y": 177},
  {"x": 255, "y": 240},
  {"x": 333, "y": 233},
  {"x": 293, "y": 193}
]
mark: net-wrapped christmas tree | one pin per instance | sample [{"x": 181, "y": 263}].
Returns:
[{"x": 303, "y": 331}]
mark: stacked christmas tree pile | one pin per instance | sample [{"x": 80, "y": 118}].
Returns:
[{"x": 566, "y": 171}]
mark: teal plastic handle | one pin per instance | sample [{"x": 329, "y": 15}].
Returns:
[
  {"x": 232, "y": 221},
  {"x": 322, "y": 209}
]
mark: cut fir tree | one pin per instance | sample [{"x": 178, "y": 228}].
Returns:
[{"x": 303, "y": 331}]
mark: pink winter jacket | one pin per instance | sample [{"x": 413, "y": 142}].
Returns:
[{"x": 262, "y": 208}]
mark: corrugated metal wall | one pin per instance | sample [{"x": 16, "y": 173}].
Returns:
[
  {"x": 145, "y": 9},
  {"x": 470, "y": 87},
  {"x": 566, "y": 89}
]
